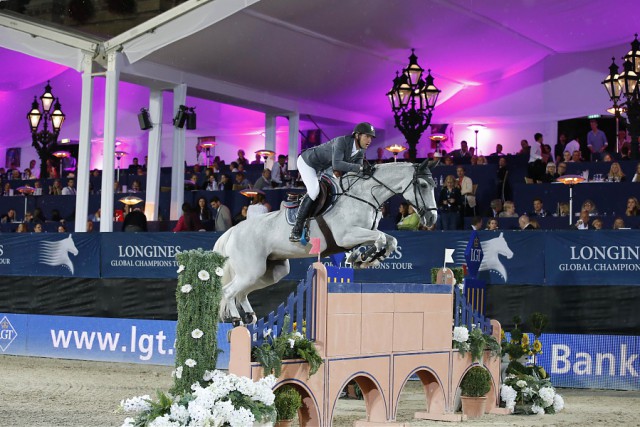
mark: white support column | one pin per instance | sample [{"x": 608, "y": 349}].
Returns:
[
  {"x": 177, "y": 156},
  {"x": 153, "y": 152},
  {"x": 84, "y": 149},
  {"x": 294, "y": 137},
  {"x": 270, "y": 132},
  {"x": 114, "y": 63}
]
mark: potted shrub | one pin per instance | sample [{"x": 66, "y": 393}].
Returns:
[
  {"x": 475, "y": 384},
  {"x": 287, "y": 402}
]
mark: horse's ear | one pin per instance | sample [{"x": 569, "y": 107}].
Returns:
[
  {"x": 501, "y": 233},
  {"x": 423, "y": 165},
  {"x": 433, "y": 163}
]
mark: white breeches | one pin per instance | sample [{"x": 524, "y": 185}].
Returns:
[{"x": 309, "y": 177}]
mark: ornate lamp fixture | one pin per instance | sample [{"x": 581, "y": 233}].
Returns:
[
  {"x": 623, "y": 91},
  {"x": 207, "y": 143},
  {"x": 130, "y": 200},
  {"x": 413, "y": 99},
  {"x": 570, "y": 180},
  {"x": 395, "y": 149},
  {"x": 44, "y": 140},
  {"x": 61, "y": 155},
  {"x": 476, "y": 128}
]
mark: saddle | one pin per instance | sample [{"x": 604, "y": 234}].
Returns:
[{"x": 323, "y": 203}]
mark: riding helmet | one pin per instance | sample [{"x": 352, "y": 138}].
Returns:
[{"x": 364, "y": 128}]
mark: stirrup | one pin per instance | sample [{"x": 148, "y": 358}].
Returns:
[{"x": 295, "y": 237}]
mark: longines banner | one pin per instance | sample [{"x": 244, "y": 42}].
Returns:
[
  {"x": 592, "y": 258},
  {"x": 50, "y": 254},
  {"x": 148, "y": 255}
]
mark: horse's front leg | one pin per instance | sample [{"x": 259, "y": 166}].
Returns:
[{"x": 364, "y": 237}]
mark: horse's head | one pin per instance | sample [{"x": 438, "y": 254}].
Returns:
[
  {"x": 420, "y": 194},
  {"x": 502, "y": 247},
  {"x": 69, "y": 245}
]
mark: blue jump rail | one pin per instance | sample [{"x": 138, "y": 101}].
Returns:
[
  {"x": 300, "y": 308},
  {"x": 464, "y": 314}
]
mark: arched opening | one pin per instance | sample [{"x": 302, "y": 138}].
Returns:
[
  {"x": 370, "y": 407},
  {"x": 421, "y": 394},
  {"x": 309, "y": 413}
]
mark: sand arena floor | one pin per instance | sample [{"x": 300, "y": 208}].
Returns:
[{"x": 55, "y": 392}]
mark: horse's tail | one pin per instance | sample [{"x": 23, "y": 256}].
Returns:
[{"x": 228, "y": 274}]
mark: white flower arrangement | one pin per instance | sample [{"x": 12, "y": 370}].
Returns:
[
  {"x": 527, "y": 394},
  {"x": 204, "y": 275},
  {"x": 222, "y": 402},
  {"x": 185, "y": 289},
  {"x": 197, "y": 333},
  {"x": 180, "y": 268},
  {"x": 190, "y": 363},
  {"x": 219, "y": 271},
  {"x": 460, "y": 334}
]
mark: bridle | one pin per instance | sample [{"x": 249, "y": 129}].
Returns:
[{"x": 417, "y": 172}]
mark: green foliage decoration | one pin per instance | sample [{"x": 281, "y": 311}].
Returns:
[
  {"x": 198, "y": 300},
  {"x": 287, "y": 402},
  {"x": 476, "y": 382},
  {"x": 458, "y": 274}
]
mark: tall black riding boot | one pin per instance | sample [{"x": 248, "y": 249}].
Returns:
[{"x": 303, "y": 213}]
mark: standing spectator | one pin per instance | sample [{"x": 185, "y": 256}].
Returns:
[
  {"x": 279, "y": 172},
  {"x": 188, "y": 221},
  {"x": 503, "y": 189},
  {"x": 258, "y": 206},
  {"x": 535, "y": 169},
  {"x": 222, "y": 217},
  {"x": 204, "y": 214},
  {"x": 462, "y": 152},
  {"x": 498, "y": 150},
  {"x": 623, "y": 141},
  {"x": 134, "y": 221},
  {"x": 573, "y": 145},
  {"x": 524, "y": 148},
  {"x": 241, "y": 216},
  {"x": 596, "y": 141},
  {"x": 258, "y": 160},
  {"x": 559, "y": 149},
  {"x": 476, "y": 223},
  {"x": 242, "y": 160},
  {"x": 133, "y": 167},
  {"x": 466, "y": 190},
  {"x": 450, "y": 204}
]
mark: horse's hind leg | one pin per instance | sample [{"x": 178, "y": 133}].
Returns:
[
  {"x": 240, "y": 285},
  {"x": 276, "y": 270}
]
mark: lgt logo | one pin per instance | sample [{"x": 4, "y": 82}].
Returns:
[{"x": 7, "y": 333}]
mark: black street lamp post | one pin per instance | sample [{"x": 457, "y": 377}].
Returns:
[
  {"x": 413, "y": 99},
  {"x": 44, "y": 141},
  {"x": 626, "y": 84}
]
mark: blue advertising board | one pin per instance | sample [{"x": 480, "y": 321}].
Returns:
[{"x": 96, "y": 338}]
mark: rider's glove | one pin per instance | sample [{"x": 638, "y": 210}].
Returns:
[{"x": 368, "y": 169}]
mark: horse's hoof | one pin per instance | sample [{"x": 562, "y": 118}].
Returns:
[
  {"x": 236, "y": 321},
  {"x": 250, "y": 318}
]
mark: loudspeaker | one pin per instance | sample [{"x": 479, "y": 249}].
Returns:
[
  {"x": 143, "y": 119},
  {"x": 181, "y": 117},
  {"x": 191, "y": 119}
]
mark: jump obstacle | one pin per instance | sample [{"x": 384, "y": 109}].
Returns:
[{"x": 378, "y": 335}]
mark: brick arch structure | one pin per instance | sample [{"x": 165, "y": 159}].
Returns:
[{"x": 379, "y": 335}]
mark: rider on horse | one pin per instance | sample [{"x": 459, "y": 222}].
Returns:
[{"x": 342, "y": 154}]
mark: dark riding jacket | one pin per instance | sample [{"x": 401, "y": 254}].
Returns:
[{"x": 335, "y": 154}]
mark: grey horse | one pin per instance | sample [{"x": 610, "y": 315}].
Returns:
[{"x": 258, "y": 249}]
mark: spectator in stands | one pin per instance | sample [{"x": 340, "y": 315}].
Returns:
[
  {"x": 563, "y": 209},
  {"x": 596, "y": 141},
  {"x": 22, "y": 228},
  {"x": 233, "y": 167},
  {"x": 503, "y": 189},
  {"x": 264, "y": 181},
  {"x": 242, "y": 160},
  {"x": 596, "y": 224},
  {"x": 38, "y": 216},
  {"x": 241, "y": 183},
  {"x": 28, "y": 217},
  {"x": 450, "y": 203},
  {"x": 136, "y": 221},
  {"x": 56, "y": 188},
  {"x": 410, "y": 222},
  {"x": 225, "y": 182},
  {"x": 583, "y": 222},
  {"x": 623, "y": 140},
  {"x": 188, "y": 221},
  {"x": 538, "y": 209},
  {"x": 95, "y": 173},
  {"x": 258, "y": 160},
  {"x": 241, "y": 216},
  {"x": 380, "y": 158},
  {"x": 32, "y": 167},
  {"x": 259, "y": 206},
  {"x": 632, "y": 207},
  {"x": 535, "y": 168},
  {"x": 222, "y": 216},
  {"x": 524, "y": 148},
  {"x": 116, "y": 187},
  {"x": 566, "y": 157},
  {"x": 27, "y": 174},
  {"x": 576, "y": 156},
  {"x": 492, "y": 224},
  {"x": 96, "y": 216},
  {"x": 509, "y": 210},
  {"x": 466, "y": 190},
  {"x": 211, "y": 184},
  {"x": 498, "y": 150},
  {"x": 590, "y": 207},
  {"x": 547, "y": 157},
  {"x": 474, "y": 160},
  {"x": 279, "y": 172},
  {"x": 403, "y": 211},
  {"x": 191, "y": 183},
  {"x": 37, "y": 228},
  {"x": 476, "y": 223},
  {"x": 551, "y": 174},
  {"x": 636, "y": 176},
  {"x": 52, "y": 171},
  {"x": 495, "y": 207},
  {"x": 615, "y": 173},
  {"x": 472, "y": 151},
  {"x": 38, "y": 188},
  {"x": 618, "y": 223},
  {"x": 55, "y": 216},
  {"x": 134, "y": 166},
  {"x": 624, "y": 153},
  {"x": 241, "y": 168},
  {"x": 559, "y": 149},
  {"x": 606, "y": 157},
  {"x": 7, "y": 190},
  {"x": 482, "y": 160},
  {"x": 525, "y": 223},
  {"x": 90, "y": 226},
  {"x": 135, "y": 187},
  {"x": 204, "y": 214},
  {"x": 9, "y": 217},
  {"x": 448, "y": 161},
  {"x": 562, "y": 169},
  {"x": 573, "y": 145},
  {"x": 462, "y": 152},
  {"x": 70, "y": 189}
]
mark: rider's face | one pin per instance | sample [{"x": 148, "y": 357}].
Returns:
[{"x": 364, "y": 140}]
